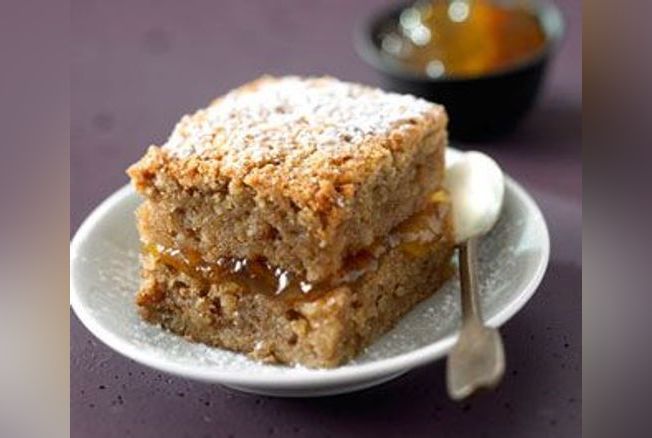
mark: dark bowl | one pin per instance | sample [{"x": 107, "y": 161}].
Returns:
[{"x": 479, "y": 107}]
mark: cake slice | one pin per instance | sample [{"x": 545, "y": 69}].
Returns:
[
  {"x": 294, "y": 219},
  {"x": 300, "y": 172}
]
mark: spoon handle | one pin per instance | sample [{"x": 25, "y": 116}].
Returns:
[
  {"x": 477, "y": 361},
  {"x": 469, "y": 281}
]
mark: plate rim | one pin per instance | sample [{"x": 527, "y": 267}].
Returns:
[{"x": 304, "y": 377}]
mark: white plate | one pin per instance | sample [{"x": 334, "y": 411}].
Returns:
[{"x": 104, "y": 278}]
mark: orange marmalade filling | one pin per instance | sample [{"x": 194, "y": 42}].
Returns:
[{"x": 417, "y": 237}]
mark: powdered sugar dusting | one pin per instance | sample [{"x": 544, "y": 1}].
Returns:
[{"x": 291, "y": 117}]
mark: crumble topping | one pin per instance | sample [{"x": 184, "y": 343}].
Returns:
[{"x": 290, "y": 120}]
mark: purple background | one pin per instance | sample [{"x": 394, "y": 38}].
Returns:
[{"x": 138, "y": 65}]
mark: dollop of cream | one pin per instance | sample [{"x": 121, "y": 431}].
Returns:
[{"x": 476, "y": 188}]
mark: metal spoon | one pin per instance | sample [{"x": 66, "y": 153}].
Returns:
[{"x": 478, "y": 360}]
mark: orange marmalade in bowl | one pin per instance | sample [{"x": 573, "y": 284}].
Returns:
[{"x": 463, "y": 38}]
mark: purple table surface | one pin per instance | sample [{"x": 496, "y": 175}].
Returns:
[{"x": 138, "y": 65}]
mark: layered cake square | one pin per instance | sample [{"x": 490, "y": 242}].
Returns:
[{"x": 294, "y": 219}]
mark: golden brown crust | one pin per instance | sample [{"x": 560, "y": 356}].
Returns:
[
  {"x": 338, "y": 167},
  {"x": 314, "y": 141}
]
